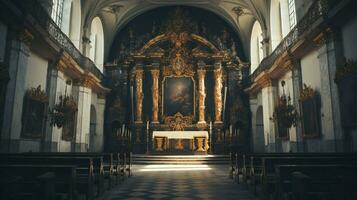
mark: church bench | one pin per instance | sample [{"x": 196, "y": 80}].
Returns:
[
  {"x": 88, "y": 170},
  {"x": 107, "y": 163},
  {"x": 307, "y": 182},
  {"x": 124, "y": 164},
  {"x": 255, "y": 160},
  {"x": 266, "y": 178},
  {"x": 37, "y": 181}
]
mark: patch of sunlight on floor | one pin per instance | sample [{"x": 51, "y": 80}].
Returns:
[{"x": 163, "y": 168}]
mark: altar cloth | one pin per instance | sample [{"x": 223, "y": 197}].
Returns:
[{"x": 180, "y": 134}]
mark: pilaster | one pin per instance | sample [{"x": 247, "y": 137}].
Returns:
[
  {"x": 297, "y": 87},
  {"x": 269, "y": 94},
  {"x": 83, "y": 94},
  {"x": 11, "y": 127},
  {"x": 331, "y": 127}
]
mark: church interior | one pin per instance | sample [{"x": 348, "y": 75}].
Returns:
[{"x": 178, "y": 99}]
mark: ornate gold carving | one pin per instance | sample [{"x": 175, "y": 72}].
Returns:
[
  {"x": 179, "y": 144},
  {"x": 26, "y": 37},
  {"x": 178, "y": 122},
  {"x": 139, "y": 74},
  {"x": 179, "y": 67},
  {"x": 201, "y": 96},
  {"x": 84, "y": 82},
  {"x": 307, "y": 93},
  {"x": 37, "y": 94},
  {"x": 160, "y": 146},
  {"x": 155, "y": 95},
  {"x": 200, "y": 143},
  {"x": 218, "y": 74},
  {"x": 323, "y": 37}
]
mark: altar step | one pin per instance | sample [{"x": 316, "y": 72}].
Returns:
[{"x": 181, "y": 159}]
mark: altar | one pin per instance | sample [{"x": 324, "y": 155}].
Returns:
[{"x": 180, "y": 141}]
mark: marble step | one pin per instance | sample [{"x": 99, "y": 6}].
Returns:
[{"x": 146, "y": 159}]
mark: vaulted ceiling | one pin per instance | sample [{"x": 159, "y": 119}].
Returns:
[{"x": 115, "y": 14}]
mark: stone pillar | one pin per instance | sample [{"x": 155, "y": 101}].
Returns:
[
  {"x": 269, "y": 94},
  {"x": 86, "y": 46},
  {"x": 99, "y": 142},
  {"x": 155, "y": 73},
  {"x": 83, "y": 94},
  {"x": 297, "y": 87},
  {"x": 331, "y": 127},
  {"x": 201, "y": 96},
  {"x": 11, "y": 127},
  {"x": 218, "y": 80},
  {"x": 54, "y": 81},
  {"x": 139, "y": 75}
]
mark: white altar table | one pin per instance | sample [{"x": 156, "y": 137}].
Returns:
[
  {"x": 180, "y": 134},
  {"x": 202, "y": 144}
]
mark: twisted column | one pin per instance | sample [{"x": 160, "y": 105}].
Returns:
[{"x": 155, "y": 73}]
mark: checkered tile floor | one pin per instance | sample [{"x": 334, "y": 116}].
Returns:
[{"x": 180, "y": 182}]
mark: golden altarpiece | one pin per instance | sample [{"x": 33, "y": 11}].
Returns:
[{"x": 173, "y": 107}]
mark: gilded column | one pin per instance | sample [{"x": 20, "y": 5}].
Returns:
[
  {"x": 139, "y": 73},
  {"x": 218, "y": 73},
  {"x": 201, "y": 96},
  {"x": 155, "y": 73}
]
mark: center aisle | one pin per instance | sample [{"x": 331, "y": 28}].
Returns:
[{"x": 180, "y": 182}]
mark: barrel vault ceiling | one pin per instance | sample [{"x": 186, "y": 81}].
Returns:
[{"x": 115, "y": 14}]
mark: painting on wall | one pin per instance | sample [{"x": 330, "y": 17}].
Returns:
[
  {"x": 34, "y": 112},
  {"x": 178, "y": 96},
  {"x": 310, "y": 111}
]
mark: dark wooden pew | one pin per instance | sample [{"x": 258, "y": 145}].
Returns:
[
  {"x": 267, "y": 176},
  {"x": 37, "y": 181},
  {"x": 315, "y": 182},
  {"x": 255, "y": 160},
  {"x": 86, "y": 167},
  {"x": 107, "y": 163}
]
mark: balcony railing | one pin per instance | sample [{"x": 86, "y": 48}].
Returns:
[
  {"x": 318, "y": 9},
  {"x": 33, "y": 8}
]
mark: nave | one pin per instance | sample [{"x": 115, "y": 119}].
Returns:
[
  {"x": 110, "y": 176},
  {"x": 198, "y": 181}
]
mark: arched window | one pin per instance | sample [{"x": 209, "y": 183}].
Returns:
[
  {"x": 282, "y": 20},
  {"x": 57, "y": 11},
  {"x": 256, "y": 51},
  {"x": 70, "y": 19},
  {"x": 97, "y": 42}
]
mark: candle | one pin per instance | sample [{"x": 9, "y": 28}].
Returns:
[
  {"x": 123, "y": 129},
  {"x": 147, "y": 125},
  {"x": 210, "y": 125},
  {"x": 230, "y": 129}
]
